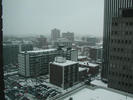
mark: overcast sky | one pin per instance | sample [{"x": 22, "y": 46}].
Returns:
[{"x": 24, "y": 17}]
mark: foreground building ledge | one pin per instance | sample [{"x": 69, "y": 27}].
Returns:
[{"x": 94, "y": 93}]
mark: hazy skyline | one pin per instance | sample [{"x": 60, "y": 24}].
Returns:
[{"x": 35, "y": 17}]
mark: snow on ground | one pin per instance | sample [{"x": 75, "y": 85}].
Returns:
[
  {"x": 99, "y": 83},
  {"x": 97, "y": 94}
]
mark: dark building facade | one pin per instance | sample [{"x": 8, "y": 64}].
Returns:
[
  {"x": 64, "y": 73},
  {"x": 111, "y": 9},
  {"x": 11, "y": 51},
  {"x": 121, "y": 52}
]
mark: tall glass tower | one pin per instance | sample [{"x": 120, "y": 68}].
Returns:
[{"x": 111, "y": 9}]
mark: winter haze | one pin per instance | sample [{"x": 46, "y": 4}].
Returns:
[{"x": 35, "y": 17}]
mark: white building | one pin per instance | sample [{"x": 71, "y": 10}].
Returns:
[{"x": 34, "y": 63}]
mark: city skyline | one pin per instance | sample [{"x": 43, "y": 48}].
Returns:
[{"x": 39, "y": 17}]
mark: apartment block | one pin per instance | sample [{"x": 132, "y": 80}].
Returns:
[{"x": 63, "y": 73}]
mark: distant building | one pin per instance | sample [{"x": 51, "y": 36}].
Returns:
[
  {"x": 90, "y": 40},
  {"x": 25, "y": 47},
  {"x": 120, "y": 74},
  {"x": 63, "y": 42},
  {"x": 33, "y": 63},
  {"x": 95, "y": 53},
  {"x": 69, "y": 36},
  {"x": 55, "y": 33},
  {"x": 63, "y": 73},
  {"x": 42, "y": 42}
]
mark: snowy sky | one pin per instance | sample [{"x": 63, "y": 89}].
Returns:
[{"x": 24, "y": 17}]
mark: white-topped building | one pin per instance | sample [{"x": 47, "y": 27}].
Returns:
[
  {"x": 63, "y": 73},
  {"x": 34, "y": 63}
]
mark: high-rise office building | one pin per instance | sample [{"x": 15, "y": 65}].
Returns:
[
  {"x": 121, "y": 52},
  {"x": 55, "y": 33},
  {"x": 111, "y": 9}
]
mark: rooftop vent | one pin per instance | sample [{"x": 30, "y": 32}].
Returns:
[{"x": 60, "y": 59}]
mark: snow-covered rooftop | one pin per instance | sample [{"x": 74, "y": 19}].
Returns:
[
  {"x": 99, "y": 83},
  {"x": 97, "y": 94},
  {"x": 88, "y": 64},
  {"x": 82, "y": 69},
  {"x": 40, "y": 51},
  {"x": 81, "y": 57},
  {"x": 68, "y": 62}
]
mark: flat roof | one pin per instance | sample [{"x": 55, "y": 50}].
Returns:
[
  {"x": 39, "y": 51},
  {"x": 99, "y": 83},
  {"x": 82, "y": 69},
  {"x": 68, "y": 62},
  {"x": 81, "y": 57},
  {"x": 97, "y": 94},
  {"x": 88, "y": 63}
]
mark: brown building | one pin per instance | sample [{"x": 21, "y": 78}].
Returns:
[
  {"x": 83, "y": 73},
  {"x": 63, "y": 73},
  {"x": 121, "y": 52},
  {"x": 93, "y": 68}
]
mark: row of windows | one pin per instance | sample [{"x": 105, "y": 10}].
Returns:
[
  {"x": 125, "y": 84},
  {"x": 120, "y": 58},
  {"x": 121, "y": 66},
  {"x": 119, "y": 33},
  {"x": 118, "y": 49},
  {"x": 124, "y": 23},
  {"x": 117, "y": 74},
  {"x": 118, "y": 41}
]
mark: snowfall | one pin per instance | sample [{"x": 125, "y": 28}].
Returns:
[{"x": 97, "y": 94}]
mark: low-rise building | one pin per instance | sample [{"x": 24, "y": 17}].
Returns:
[
  {"x": 83, "y": 73},
  {"x": 63, "y": 73},
  {"x": 93, "y": 68}
]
